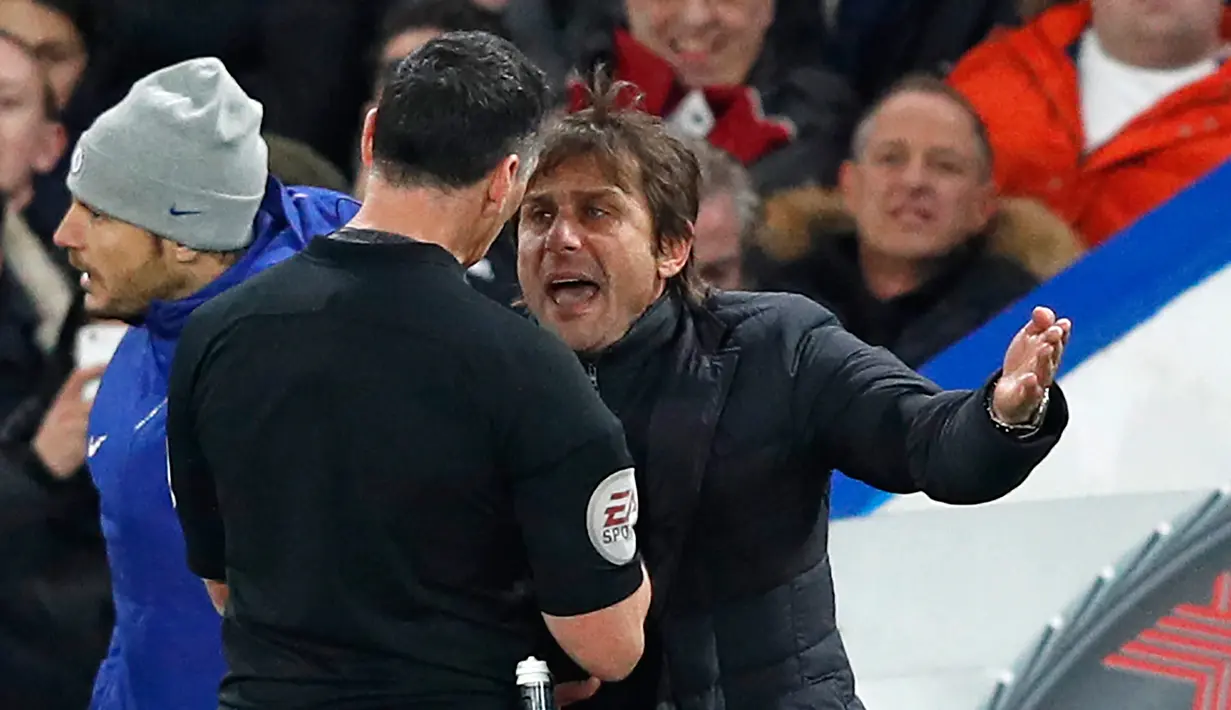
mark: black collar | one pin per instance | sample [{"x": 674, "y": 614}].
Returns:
[
  {"x": 349, "y": 245},
  {"x": 651, "y": 331}
]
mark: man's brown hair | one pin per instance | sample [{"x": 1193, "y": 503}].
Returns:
[{"x": 635, "y": 151}]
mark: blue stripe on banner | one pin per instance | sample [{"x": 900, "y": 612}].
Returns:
[{"x": 1109, "y": 292}]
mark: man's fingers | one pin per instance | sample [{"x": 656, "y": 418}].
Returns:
[
  {"x": 1043, "y": 358},
  {"x": 1041, "y": 318},
  {"x": 1053, "y": 335},
  {"x": 79, "y": 378},
  {"x": 1030, "y": 387},
  {"x": 73, "y": 411}
]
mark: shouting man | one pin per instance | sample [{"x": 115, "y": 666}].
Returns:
[{"x": 737, "y": 406}]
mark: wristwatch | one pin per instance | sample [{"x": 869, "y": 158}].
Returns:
[{"x": 1020, "y": 430}]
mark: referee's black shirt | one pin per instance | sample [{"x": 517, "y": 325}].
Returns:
[{"x": 378, "y": 459}]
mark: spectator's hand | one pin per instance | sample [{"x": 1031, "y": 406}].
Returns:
[
  {"x": 1030, "y": 366},
  {"x": 575, "y": 691},
  {"x": 60, "y": 442}
]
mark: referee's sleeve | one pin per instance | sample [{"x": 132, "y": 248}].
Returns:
[
  {"x": 191, "y": 482},
  {"x": 574, "y": 491}
]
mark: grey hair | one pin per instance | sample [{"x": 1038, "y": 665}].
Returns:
[
  {"x": 930, "y": 85},
  {"x": 722, "y": 174},
  {"x": 529, "y": 148}
]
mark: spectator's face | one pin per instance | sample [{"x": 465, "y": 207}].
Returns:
[
  {"x": 717, "y": 245},
  {"x": 407, "y": 42},
  {"x": 586, "y": 259},
  {"x": 1179, "y": 22},
  {"x": 124, "y": 268},
  {"x": 920, "y": 188},
  {"x": 56, "y": 41},
  {"x": 708, "y": 42},
  {"x": 29, "y": 141}
]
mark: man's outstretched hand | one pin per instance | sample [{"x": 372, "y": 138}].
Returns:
[{"x": 1030, "y": 366}]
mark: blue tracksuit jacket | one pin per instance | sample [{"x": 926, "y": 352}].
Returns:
[{"x": 166, "y": 650}]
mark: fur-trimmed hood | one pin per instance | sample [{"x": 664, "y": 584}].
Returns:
[{"x": 1023, "y": 230}]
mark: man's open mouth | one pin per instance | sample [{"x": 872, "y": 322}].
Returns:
[{"x": 571, "y": 292}]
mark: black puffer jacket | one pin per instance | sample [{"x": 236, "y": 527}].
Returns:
[{"x": 757, "y": 398}]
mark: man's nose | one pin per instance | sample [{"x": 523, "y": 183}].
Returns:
[
  {"x": 68, "y": 234},
  {"x": 915, "y": 174},
  {"x": 695, "y": 13},
  {"x": 563, "y": 236}
]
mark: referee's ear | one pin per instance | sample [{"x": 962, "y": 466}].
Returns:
[
  {"x": 365, "y": 139},
  {"x": 506, "y": 186}
]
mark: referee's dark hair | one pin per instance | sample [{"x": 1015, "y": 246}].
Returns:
[{"x": 455, "y": 108}]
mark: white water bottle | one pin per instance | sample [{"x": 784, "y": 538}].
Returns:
[{"x": 534, "y": 685}]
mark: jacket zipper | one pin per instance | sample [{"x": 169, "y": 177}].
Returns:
[{"x": 592, "y": 372}]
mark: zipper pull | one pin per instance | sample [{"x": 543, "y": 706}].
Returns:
[{"x": 592, "y": 371}]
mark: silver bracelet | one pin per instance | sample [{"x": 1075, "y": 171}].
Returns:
[{"x": 1028, "y": 428}]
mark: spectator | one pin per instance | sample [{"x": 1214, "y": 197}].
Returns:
[
  {"x": 55, "y": 608},
  {"x": 32, "y": 137},
  {"x": 1104, "y": 110},
  {"x": 747, "y": 78},
  {"x": 55, "y": 595},
  {"x": 35, "y": 297},
  {"x": 917, "y": 251},
  {"x": 59, "y": 32},
  {"x": 728, "y": 218},
  {"x": 62, "y": 34}
]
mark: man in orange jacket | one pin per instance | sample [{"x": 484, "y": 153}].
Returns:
[{"x": 1105, "y": 109}]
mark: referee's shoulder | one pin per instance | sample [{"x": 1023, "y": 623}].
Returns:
[
  {"x": 246, "y": 298},
  {"x": 510, "y": 330},
  {"x": 499, "y": 321}
]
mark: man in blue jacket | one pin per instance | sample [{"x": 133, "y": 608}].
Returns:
[{"x": 172, "y": 205}]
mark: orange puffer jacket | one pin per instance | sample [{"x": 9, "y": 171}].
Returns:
[{"x": 1024, "y": 84}]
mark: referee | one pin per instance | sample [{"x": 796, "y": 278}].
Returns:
[{"x": 387, "y": 480}]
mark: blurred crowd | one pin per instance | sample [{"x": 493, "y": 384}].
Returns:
[{"x": 839, "y": 161}]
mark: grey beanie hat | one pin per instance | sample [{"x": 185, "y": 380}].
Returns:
[{"x": 181, "y": 156}]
